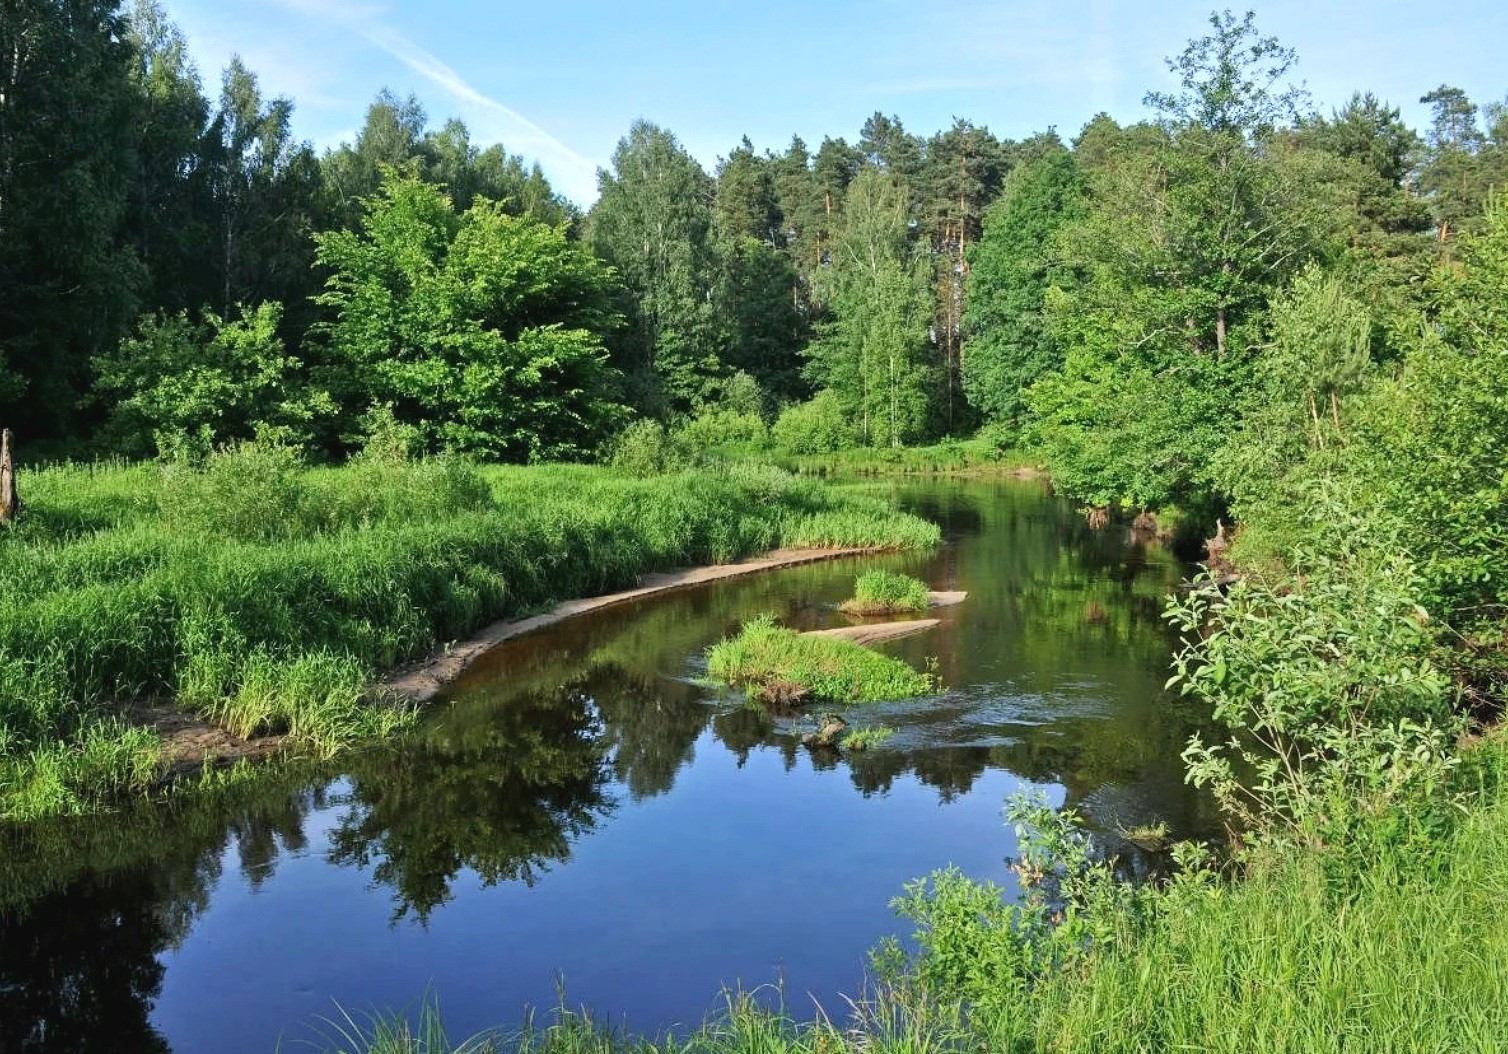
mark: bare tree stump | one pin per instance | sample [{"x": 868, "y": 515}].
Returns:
[{"x": 10, "y": 501}]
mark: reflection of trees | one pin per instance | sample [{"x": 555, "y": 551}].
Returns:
[
  {"x": 503, "y": 793},
  {"x": 652, "y": 724},
  {"x": 79, "y": 970},
  {"x": 87, "y": 906}
]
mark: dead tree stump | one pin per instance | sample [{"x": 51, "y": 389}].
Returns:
[{"x": 10, "y": 501}]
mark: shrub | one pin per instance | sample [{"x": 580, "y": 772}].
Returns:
[
  {"x": 645, "y": 448},
  {"x": 1327, "y": 686},
  {"x": 713, "y": 429},
  {"x": 819, "y": 426}
]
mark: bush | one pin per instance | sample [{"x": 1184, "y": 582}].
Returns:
[
  {"x": 187, "y": 386},
  {"x": 714, "y": 429},
  {"x": 1328, "y": 689},
  {"x": 819, "y": 426},
  {"x": 645, "y": 448}
]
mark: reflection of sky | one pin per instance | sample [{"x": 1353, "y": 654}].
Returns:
[
  {"x": 740, "y": 874},
  {"x": 730, "y": 852}
]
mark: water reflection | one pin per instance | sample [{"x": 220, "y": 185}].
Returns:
[{"x": 1054, "y": 667}]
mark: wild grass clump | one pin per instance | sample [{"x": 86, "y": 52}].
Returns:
[
  {"x": 830, "y": 669},
  {"x": 867, "y": 737},
  {"x": 887, "y": 593},
  {"x": 102, "y": 761},
  {"x": 268, "y": 595}
]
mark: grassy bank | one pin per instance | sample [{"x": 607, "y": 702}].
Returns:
[{"x": 266, "y": 595}]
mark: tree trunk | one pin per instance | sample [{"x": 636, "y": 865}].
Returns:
[{"x": 10, "y": 501}]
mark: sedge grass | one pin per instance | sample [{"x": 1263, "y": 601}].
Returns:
[
  {"x": 829, "y": 669},
  {"x": 887, "y": 593}
]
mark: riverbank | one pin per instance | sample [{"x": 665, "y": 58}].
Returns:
[{"x": 265, "y": 598}]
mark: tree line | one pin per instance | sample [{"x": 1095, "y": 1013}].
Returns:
[{"x": 180, "y": 271}]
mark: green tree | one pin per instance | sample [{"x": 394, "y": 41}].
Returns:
[
  {"x": 68, "y": 157},
  {"x": 762, "y": 296},
  {"x": 1372, "y": 135},
  {"x": 873, "y": 353},
  {"x": 653, "y": 223},
  {"x": 389, "y": 138},
  {"x": 1186, "y": 237},
  {"x": 170, "y": 223},
  {"x": 266, "y": 191},
  {"x": 1461, "y": 162},
  {"x": 1011, "y": 269},
  {"x": 484, "y": 330},
  {"x": 961, "y": 174}
]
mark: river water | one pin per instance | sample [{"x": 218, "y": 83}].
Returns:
[{"x": 586, "y": 816}]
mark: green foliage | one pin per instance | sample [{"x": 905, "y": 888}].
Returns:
[
  {"x": 68, "y": 143},
  {"x": 1011, "y": 268},
  {"x": 180, "y": 384},
  {"x": 646, "y": 448},
  {"x": 1334, "y": 704},
  {"x": 867, "y": 737},
  {"x": 1321, "y": 351},
  {"x": 990, "y": 954},
  {"x": 831, "y": 669},
  {"x": 872, "y": 354},
  {"x": 885, "y": 592},
  {"x": 104, "y": 761},
  {"x": 821, "y": 425},
  {"x": 1420, "y": 450},
  {"x": 483, "y": 330},
  {"x": 713, "y": 429},
  {"x": 653, "y": 224}
]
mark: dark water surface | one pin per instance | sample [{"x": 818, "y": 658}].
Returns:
[{"x": 586, "y": 808}]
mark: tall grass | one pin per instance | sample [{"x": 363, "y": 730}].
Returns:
[{"x": 267, "y": 595}]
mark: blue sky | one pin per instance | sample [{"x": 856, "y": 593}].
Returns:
[{"x": 560, "y": 82}]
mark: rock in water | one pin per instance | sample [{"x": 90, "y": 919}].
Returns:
[{"x": 827, "y": 735}]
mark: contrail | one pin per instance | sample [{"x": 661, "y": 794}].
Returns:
[
  {"x": 365, "y": 20},
  {"x": 432, "y": 69}
]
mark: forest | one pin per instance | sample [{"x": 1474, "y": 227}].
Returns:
[{"x": 1271, "y": 326}]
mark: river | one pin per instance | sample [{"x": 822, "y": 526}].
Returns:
[{"x": 586, "y": 815}]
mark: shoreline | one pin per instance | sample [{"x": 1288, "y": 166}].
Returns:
[{"x": 189, "y": 742}]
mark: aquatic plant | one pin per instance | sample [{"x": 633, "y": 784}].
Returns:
[
  {"x": 830, "y": 669},
  {"x": 887, "y": 593},
  {"x": 869, "y": 736}
]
